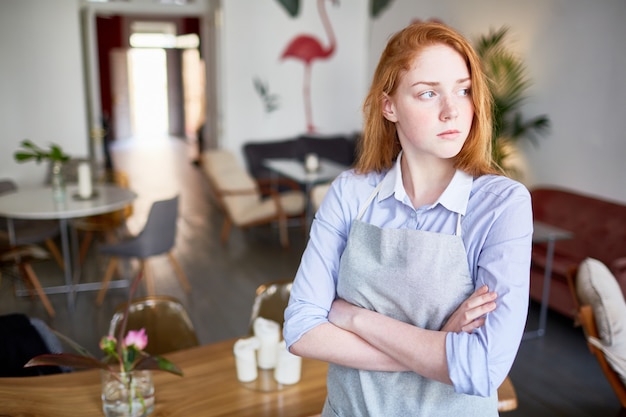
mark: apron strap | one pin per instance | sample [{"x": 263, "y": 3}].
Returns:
[
  {"x": 369, "y": 200},
  {"x": 458, "y": 225}
]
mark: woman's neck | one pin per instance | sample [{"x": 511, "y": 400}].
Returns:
[{"x": 425, "y": 182}]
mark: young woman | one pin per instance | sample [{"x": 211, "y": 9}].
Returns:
[{"x": 397, "y": 285}]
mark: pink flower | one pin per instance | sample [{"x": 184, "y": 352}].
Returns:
[{"x": 137, "y": 338}]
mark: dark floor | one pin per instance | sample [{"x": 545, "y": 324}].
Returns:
[{"x": 554, "y": 376}]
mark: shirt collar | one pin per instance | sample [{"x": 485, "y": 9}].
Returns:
[{"x": 455, "y": 197}]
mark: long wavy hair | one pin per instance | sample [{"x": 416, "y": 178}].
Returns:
[{"x": 379, "y": 145}]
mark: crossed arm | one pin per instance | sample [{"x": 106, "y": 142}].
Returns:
[{"x": 363, "y": 339}]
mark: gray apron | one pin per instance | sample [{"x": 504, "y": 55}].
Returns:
[{"x": 417, "y": 277}]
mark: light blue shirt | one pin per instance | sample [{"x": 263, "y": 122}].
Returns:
[{"x": 496, "y": 228}]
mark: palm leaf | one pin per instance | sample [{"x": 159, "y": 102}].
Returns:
[{"x": 509, "y": 83}]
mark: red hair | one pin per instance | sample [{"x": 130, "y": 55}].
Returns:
[{"x": 379, "y": 145}]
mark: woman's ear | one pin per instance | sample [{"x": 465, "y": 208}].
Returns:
[{"x": 389, "y": 109}]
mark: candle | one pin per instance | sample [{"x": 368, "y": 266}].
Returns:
[
  {"x": 268, "y": 333},
  {"x": 84, "y": 180},
  {"x": 311, "y": 162},
  {"x": 245, "y": 359},
  {"x": 288, "y": 366}
]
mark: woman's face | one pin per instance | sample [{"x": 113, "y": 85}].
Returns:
[{"x": 432, "y": 105}]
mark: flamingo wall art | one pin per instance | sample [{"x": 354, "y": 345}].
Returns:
[{"x": 307, "y": 48}]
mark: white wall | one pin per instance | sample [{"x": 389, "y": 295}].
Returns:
[
  {"x": 255, "y": 34},
  {"x": 575, "y": 51},
  {"x": 42, "y": 94}
]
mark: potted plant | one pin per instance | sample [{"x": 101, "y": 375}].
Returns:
[
  {"x": 509, "y": 83},
  {"x": 127, "y": 387},
  {"x": 54, "y": 154}
]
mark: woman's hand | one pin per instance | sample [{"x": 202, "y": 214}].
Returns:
[{"x": 470, "y": 315}]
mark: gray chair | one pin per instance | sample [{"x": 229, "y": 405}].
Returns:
[
  {"x": 29, "y": 232},
  {"x": 157, "y": 237}
]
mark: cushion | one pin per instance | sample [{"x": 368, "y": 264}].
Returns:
[{"x": 596, "y": 286}]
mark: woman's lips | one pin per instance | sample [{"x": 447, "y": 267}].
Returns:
[{"x": 449, "y": 134}]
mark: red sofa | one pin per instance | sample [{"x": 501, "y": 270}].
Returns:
[{"x": 599, "y": 229}]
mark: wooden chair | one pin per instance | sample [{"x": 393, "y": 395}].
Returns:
[
  {"x": 507, "y": 397},
  {"x": 242, "y": 199},
  {"x": 165, "y": 320},
  {"x": 20, "y": 257},
  {"x": 29, "y": 232},
  {"x": 588, "y": 323},
  {"x": 586, "y": 319}
]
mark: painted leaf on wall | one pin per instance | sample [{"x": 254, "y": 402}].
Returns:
[
  {"x": 377, "y": 6},
  {"x": 292, "y": 6}
]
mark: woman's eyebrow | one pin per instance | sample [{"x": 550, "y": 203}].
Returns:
[{"x": 436, "y": 83}]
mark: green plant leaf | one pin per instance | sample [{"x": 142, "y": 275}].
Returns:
[
  {"x": 21, "y": 156},
  {"x": 158, "y": 363},
  {"x": 57, "y": 154},
  {"x": 26, "y": 143}
]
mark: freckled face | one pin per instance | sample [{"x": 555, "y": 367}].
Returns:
[{"x": 432, "y": 105}]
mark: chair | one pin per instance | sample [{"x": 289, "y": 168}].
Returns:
[
  {"x": 105, "y": 224},
  {"x": 601, "y": 311},
  {"x": 157, "y": 237},
  {"x": 165, "y": 319},
  {"x": 588, "y": 323},
  {"x": 20, "y": 257},
  {"x": 30, "y": 232},
  {"x": 507, "y": 397},
  {"x": 318, "y": 192},
  {"x": 270, "y": 301},
  {"x": 242, "y": 200}
]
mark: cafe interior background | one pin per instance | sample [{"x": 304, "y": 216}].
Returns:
[{"x": 574, "y": 52}]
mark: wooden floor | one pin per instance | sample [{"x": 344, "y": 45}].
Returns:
[{"x": 554, "y": 376}]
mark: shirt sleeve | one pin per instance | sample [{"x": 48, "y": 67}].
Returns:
[
  {"x": 314, "y": 286},
  {"x": 500, "y": 244}
]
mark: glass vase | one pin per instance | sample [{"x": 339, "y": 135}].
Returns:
[
  {"x": 57, "y": 182},
  {"x": 127, "y": 394}
]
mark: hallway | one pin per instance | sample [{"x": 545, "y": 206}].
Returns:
[{"x": 553, "y": 376}]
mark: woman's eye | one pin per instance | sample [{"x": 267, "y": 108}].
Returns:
[
  {"x": 427, "y": 94},
  {"x": 465, "y": 92}
]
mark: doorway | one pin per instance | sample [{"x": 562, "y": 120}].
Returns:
[{"x": 157, "y": 79}]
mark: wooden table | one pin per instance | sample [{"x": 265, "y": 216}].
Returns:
[
  {"x": 208, "y": 388},
  {"x": 295, "y": 170},
  {"x": 38, "y": 204}
]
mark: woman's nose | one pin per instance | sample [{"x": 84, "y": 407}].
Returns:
[{"x": 449, "y": 110}]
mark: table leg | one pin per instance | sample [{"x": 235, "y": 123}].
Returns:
[
  {"x": 67, "y": 260},
  {"x": 545, "y": 296},
  {"x": 308, "y": 205}
]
